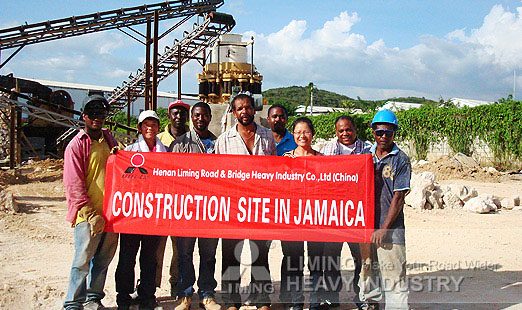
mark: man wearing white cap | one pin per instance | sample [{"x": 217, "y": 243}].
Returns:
[{"x": 148, "y": 127}]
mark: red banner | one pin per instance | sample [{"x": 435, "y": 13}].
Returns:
[{"x": 314, "y": 198}]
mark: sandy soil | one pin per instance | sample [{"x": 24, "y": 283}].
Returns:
[{"x": 456, "y": 259}]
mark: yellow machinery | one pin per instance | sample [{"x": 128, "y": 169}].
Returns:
[{"x": 229, "y": 70}]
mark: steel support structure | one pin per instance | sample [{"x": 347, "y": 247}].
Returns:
[
  {"x": 179, "y": 72},
  {"x": 154, "y": 105},
  {"x": 12, "y": 132},
  {"x": 79, "y": 25},
  {"x": 203, "y": 35},
  {"x": 148, "y": 86},
  {"x": 194, "y": 42},
  {"x": 54, "y": 117}
]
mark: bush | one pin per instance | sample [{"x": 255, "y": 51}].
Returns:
[
  {"x": 499, "y": 125},
  {"x": 121, "y": 118}
]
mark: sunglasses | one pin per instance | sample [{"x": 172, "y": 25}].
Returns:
[
  {"x": 96, "y": 114},
  {"x": 382, "y": 132}
]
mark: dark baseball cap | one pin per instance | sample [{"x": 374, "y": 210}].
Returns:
[{"x": 94, "y": 102}]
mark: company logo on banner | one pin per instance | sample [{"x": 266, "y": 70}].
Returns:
[
  {"x": 315, "y": 198},
  {"x": 137, "y": 160}
]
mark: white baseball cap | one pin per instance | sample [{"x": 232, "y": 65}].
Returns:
[{"x": 148, "y": 114}]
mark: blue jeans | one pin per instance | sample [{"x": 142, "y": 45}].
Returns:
[
  {"x": 207, "y": 266},
  {"x": 89, "y": 268}
]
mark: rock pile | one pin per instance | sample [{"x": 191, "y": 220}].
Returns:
[
  {"x": 481, "y": 204},
  {"x": 426, "y": 194},
  {"x": 458, "y": 166}
]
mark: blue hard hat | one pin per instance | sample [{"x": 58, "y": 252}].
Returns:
[{"x": 385, "y": 117}]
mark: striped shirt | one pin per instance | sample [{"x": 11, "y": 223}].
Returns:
[
  {"x": 335, "y": 148},
  {"x": 230, "y": 142}
]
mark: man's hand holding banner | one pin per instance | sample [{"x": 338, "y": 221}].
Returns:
[{"x": 316, "y": 198}]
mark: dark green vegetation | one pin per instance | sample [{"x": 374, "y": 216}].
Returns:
[
  {"x": 121, "y": 118},
  {"x": 293, "y": 96},
  {"x": 499, "y": 126}
]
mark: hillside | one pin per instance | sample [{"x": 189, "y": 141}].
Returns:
[
  {"x": 293, "y": 96},
  {"x": 300, "y": 95}
]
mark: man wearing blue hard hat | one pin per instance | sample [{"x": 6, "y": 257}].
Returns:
[{"x": 392, "y": 182}]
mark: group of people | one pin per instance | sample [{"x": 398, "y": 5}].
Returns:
[{"x": 379, "y": 266}]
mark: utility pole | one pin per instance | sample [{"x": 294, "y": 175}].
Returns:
[
  {"x": 311, "y": 85},
  {"x": 311, "y": 99}
]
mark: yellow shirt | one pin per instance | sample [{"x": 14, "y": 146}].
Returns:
[
  {"x": 166, "y": 137},
  {"x": 95, "y": 180}
]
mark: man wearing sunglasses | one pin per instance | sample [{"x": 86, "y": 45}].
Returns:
[
  {"x": 84, "y": 179},
  {"x": 392, "y": 169}
]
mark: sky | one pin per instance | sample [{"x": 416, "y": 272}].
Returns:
[{"x": 373, "y": 49}]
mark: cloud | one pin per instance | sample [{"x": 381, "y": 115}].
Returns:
[
  {"x": 237, "y": 7},
  {"x": 59, "y": 62},
  {"x": 99, "y": 58},
  {"x": 9, "y": 24},
  {"x": 498, "y": 37},
  {"x": 473, "y": 64},
  {"x": 117, "y": 73}
]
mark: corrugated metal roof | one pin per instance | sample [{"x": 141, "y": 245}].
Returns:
[
  {"x": 459, "y": 102},
  {"x": 397, "y": 106},
  {"x": 317, "y": 110},
  {"x": 58, "y": 84}
]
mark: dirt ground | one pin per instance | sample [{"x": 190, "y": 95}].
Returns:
[{"x": 456, "y": 259}]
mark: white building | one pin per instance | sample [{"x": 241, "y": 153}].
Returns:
[
  {"x": 316, "y": 110},
  {"x": 399, "y": 106},
  {"x": 459, "y": 102}
]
